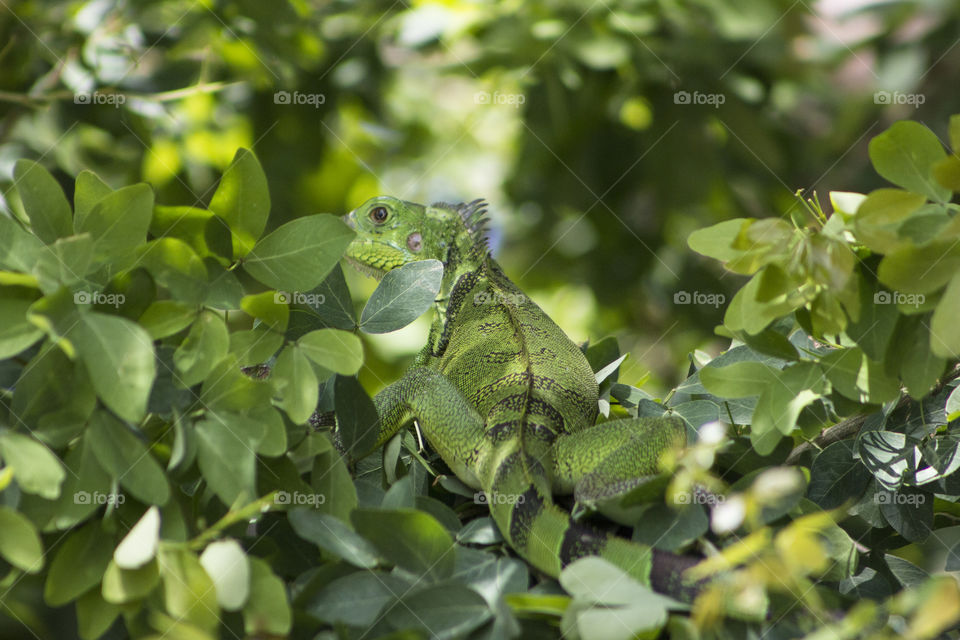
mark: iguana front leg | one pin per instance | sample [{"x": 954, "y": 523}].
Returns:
[{"x": 452, "y": 426}]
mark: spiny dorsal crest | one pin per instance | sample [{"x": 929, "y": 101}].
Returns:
[{"x": 474, "y": 216}]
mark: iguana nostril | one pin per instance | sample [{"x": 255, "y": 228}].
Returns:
[{"x": 350, "y": 220}]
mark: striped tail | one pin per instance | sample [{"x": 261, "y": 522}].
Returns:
[{"x": 549, "y": 539}]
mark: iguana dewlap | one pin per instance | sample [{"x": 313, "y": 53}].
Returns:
[{"x": 507, "y": 399}]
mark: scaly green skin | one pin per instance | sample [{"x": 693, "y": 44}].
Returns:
[{"x": 506, "y": 399}]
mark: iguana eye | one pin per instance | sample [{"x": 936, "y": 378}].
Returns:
[
  {"x": 415, "y": 242},
  {"x": 378, "y": 214}
]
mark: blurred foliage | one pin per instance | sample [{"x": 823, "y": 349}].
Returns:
[
  {"x": 564, "y": 114},
  {"x": 604, "y": 134}
]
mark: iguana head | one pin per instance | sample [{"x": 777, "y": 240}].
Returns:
[{"x": 393, "y": 232}]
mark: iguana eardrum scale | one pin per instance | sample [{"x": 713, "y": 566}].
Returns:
[{"x": 508, "y": 400}]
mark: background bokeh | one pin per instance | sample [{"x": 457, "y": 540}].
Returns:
[{"x": 601, "y": 131}]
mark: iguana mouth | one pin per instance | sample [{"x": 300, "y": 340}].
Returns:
[{"x": 366, "y": 269}]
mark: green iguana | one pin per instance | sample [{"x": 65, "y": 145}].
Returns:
[{"x": 508, "y": 400}]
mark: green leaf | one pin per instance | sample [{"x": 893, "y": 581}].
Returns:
[
  {"x": 331, "y": 301},
  {"x": 836, "y": 476},
  {"x": 910, "y": 512},
  {"x": 905, "y": 154},
  {"x": 202, "y": 350},
  {"x": 267, "y": 612},
  {"x": 225, "y": 453},
  {"x": 907, "y": 573},
  {"x": 64, "y": 262},
  {"x": 357, "y": 418},
  {"x": 228, "y": 389},
  {"x": 94, "y": 615},
  {"x": 86, "y": 488},
  {"x": 36, "y": 469},
  {"x": 17, "y": 247},
  {"x": 296, "y": 384},
  {"x": 874, "y": 327},
  {"x": 402, "y": 296},
  {"x": 243, "y": 200},
  {"x": 78, "y": 565},
  {"x": 597, "y": 581},
  {"x": 332, "y": 535},
  {"x": 175, "y": 266},
  {"x": 118, "y": 223},
  {"x": 444, "y": 611},
  {"x": 859, "y": 378},
  {"x": 139, "y": 546},
  {"x": 408, "y": 538},
  {"x": 126, "y": 585},
  {"x": 737, "y": 380},
  {"x": 166, "y": 317},
  {"x": 89, "y": 189},
  {"x": 333, "y": 349},
  {"x": 124, "y": 456},
  {"x": 119, "y": 357},
  {"x": 43, "y": 201},
  {"x": 254, "y": 346},
  {"x": 921, "y": 269},
  {"x": 269, "y": 307},
  {"x": 944, "y": 333},
  {"x": 356, "y": 599},
  {"x": 300, "y": 254},
  {"x": 880, "y": 215},
  {"x": 19, "y": 542},
  {"x": 920, "y": 368},
  {"x": 780, "y": 404},
  {"x": 228, "y": 567},
  {"x": 947, "y": 173},
  {"x": 188, "y": 591},
  {"x": 717, "y": 240}
]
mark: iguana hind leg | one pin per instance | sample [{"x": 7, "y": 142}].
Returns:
[{"x": 610, "y": 459}]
